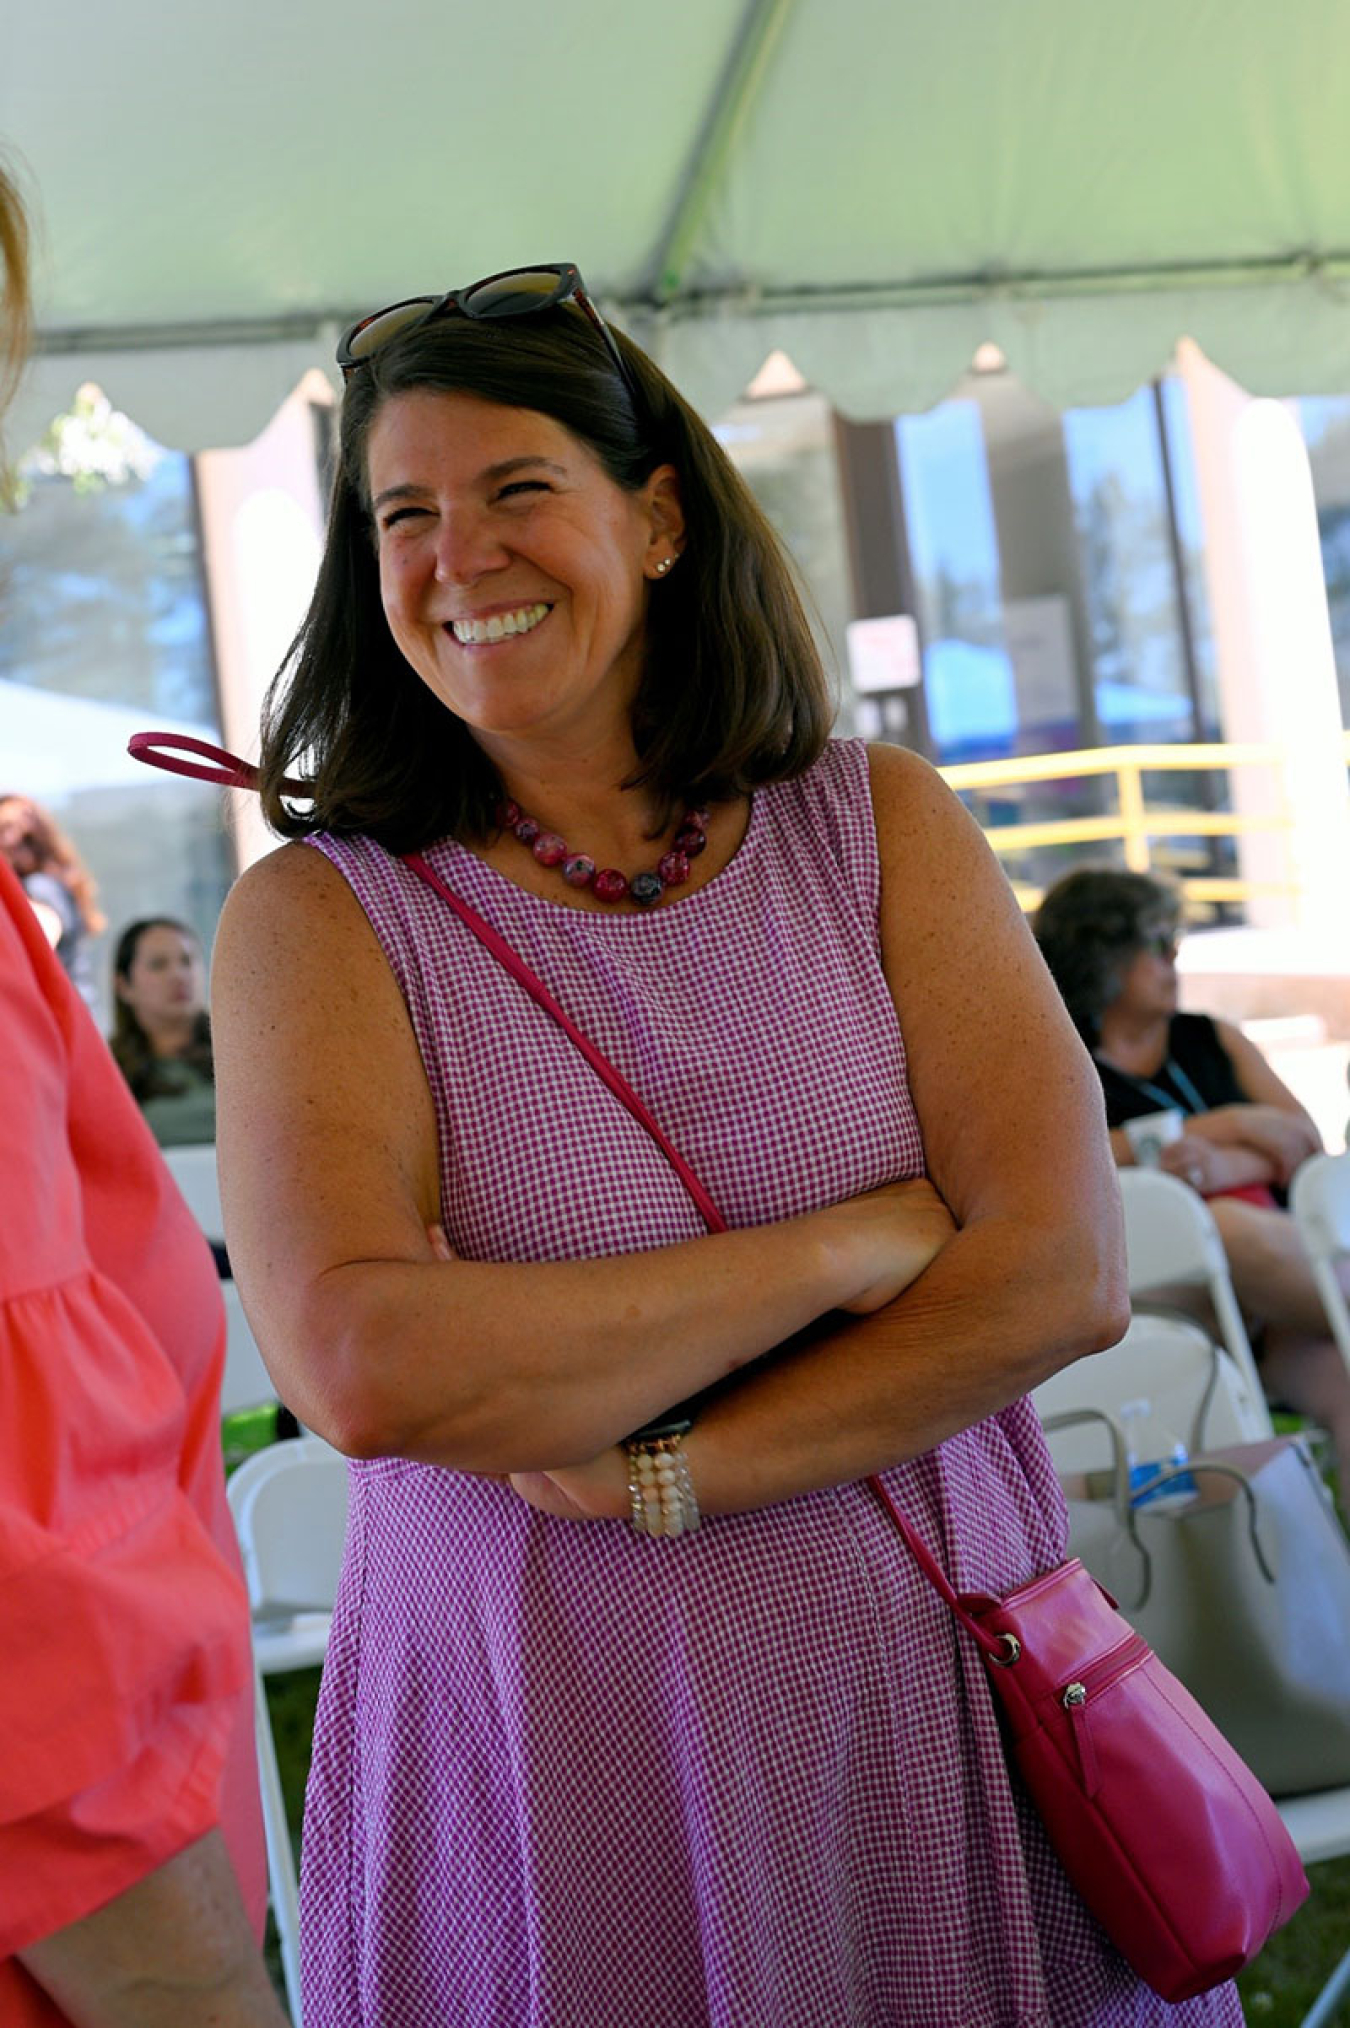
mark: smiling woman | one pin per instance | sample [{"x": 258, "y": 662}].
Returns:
[
  {"x": 514, "y": 573},
  {"x": 386, "y": 759},
  {"x": 632, "y": 1710}
]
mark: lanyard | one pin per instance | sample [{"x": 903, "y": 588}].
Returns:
[{"x": 1191, "y": 1101}]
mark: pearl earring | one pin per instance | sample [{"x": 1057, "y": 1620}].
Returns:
[{"x": 664, "y": 565}]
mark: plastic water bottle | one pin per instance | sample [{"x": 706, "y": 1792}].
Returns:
[{"x": 1151, "y": 1448}]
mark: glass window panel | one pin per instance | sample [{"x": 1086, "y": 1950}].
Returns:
[
  {"x": 1325, "y": 420},
  {"x": 968, "y": 679},
  {"x": 1047, "y": 589},
  {"x": 785, "y": 449},
  {"x": 1190, "y": 534},
  {"x": 104, "y": 630},
  {"x": 1129, "y": 580}
]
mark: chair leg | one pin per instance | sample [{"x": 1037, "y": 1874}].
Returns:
[
  {"x": 280, "y": 1859},
  {"x": 1234, "y": 1334},
  {"x": 1328, "y": 2000},
  {"x": 1334, "y": 1303}
]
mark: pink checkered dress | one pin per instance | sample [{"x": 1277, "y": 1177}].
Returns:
[{"x": 568, "y": 1777}]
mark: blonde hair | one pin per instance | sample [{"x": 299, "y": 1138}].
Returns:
[
  {"x": 52, "y": 852},
  {"x": 15, "y": 303}
]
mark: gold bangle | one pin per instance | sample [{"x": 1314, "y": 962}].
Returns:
[{"x": 661, "y": 1498}]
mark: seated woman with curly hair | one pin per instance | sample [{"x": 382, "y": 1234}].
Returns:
[
  {"x": 61, "y": 889},
  {"x": 1110, "y": 940}
]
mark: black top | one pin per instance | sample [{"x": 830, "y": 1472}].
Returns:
[{"x": 1197, "y": 1076}]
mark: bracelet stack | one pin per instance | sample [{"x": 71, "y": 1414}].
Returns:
[{"x": 660, "y": 1490}]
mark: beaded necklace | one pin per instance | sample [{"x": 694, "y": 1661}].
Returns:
[{"x": 646, "y": 889}]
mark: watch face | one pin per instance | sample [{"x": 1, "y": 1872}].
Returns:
[
  {"x": 678, "y": 1420},
  {"x": 672, "y": 1425}
]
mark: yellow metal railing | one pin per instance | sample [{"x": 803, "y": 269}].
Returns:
[{"x": 1133, "y": 822}]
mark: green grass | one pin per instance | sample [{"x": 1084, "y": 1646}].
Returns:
[
  {"x": 1291, "y": 1971},
  {"x": 290, "y": 1702}
]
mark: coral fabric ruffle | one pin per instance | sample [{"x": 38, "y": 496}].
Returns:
[{"x": 126, "y": 1690}]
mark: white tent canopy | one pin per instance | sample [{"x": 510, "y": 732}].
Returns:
[{"x": 875, "y": 186}]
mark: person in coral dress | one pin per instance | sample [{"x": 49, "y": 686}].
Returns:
[{"x": 132, "y": 1885}]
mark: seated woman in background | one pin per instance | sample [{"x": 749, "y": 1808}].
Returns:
[
  {"x": 1110, "y": 940},
  {"x": 161, "y": 1030},
  {"x": 59, "y": 885}
]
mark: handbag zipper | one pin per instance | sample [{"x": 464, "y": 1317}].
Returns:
[{"x": 1075, "y": 1698}]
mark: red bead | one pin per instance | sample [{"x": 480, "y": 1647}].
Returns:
[
  {"x": 549, "y": 849},
  {"x": 578, "y": 871},
  {"x": 507, "y": 815},
  {"x": 691, "y": 843},
  {"x": 526, "y": 830},
  {"x": 696, "y": 820},
  {"x": 609, "y": 885},
  {"x": 673, "y": 868}
]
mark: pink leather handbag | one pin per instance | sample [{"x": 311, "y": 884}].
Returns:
[{"x": 1164, "y": 1831}]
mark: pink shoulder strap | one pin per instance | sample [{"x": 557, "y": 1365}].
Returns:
[{"x": 538, "y": 992}]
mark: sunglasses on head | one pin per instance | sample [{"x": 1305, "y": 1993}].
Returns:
[{"x": 516, "y": 292}]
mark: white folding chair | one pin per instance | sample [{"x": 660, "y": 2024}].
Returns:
[
  {"x": 1319, "y": 1825},
  {"x": 1170, "y": 1362},
  {"x": 246, "y": 1382},
  {"x": 194, "y": 1171},
  {"x": 289, "y": 1504},
  {"x": 1171, "y": 1241},
  {"x": 1319, "y": 1198}
]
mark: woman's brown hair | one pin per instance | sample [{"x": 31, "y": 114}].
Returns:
[
  {"x": 1090, "y": 926},
  {"x": 151, "y": 1076},
  {"x": 732, "y": 696}
]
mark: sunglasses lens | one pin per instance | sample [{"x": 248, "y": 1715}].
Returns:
[
  {"x": 516, "y": 294},
  {"x": 387, "y": 324}
]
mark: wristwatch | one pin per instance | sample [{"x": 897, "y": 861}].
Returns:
[{"x": 676, "y": 1422}]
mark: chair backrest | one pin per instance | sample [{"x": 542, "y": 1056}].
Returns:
[
  {"x": 246, "y": 1382},
  {"x": 1168, "y": 1362},
  {"x": 1171, "y": 1241},
  {"x": 1319, "y": 1198},
  {"x": 290, "y": 1512},
  {"x": 194, "y": 1171}
]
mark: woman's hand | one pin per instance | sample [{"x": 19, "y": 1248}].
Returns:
[
  {"x": 1194, "y": 1160},
  {"x": 897, "y": 1231},
  {"x": 1210, "y": 1165},
  {"x": 597, "y": 1491},
  {"x": 1284, "y": 1138}
]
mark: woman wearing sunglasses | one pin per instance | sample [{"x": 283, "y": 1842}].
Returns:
[
  {"x": 635, "y": 1709},
  {"x": 1110, "y": 940}
]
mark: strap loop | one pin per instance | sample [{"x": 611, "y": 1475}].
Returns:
[{"x": 225, "y": 769}]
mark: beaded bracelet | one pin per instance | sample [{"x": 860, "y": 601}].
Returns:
[{"x": 660, "y": 1491}]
